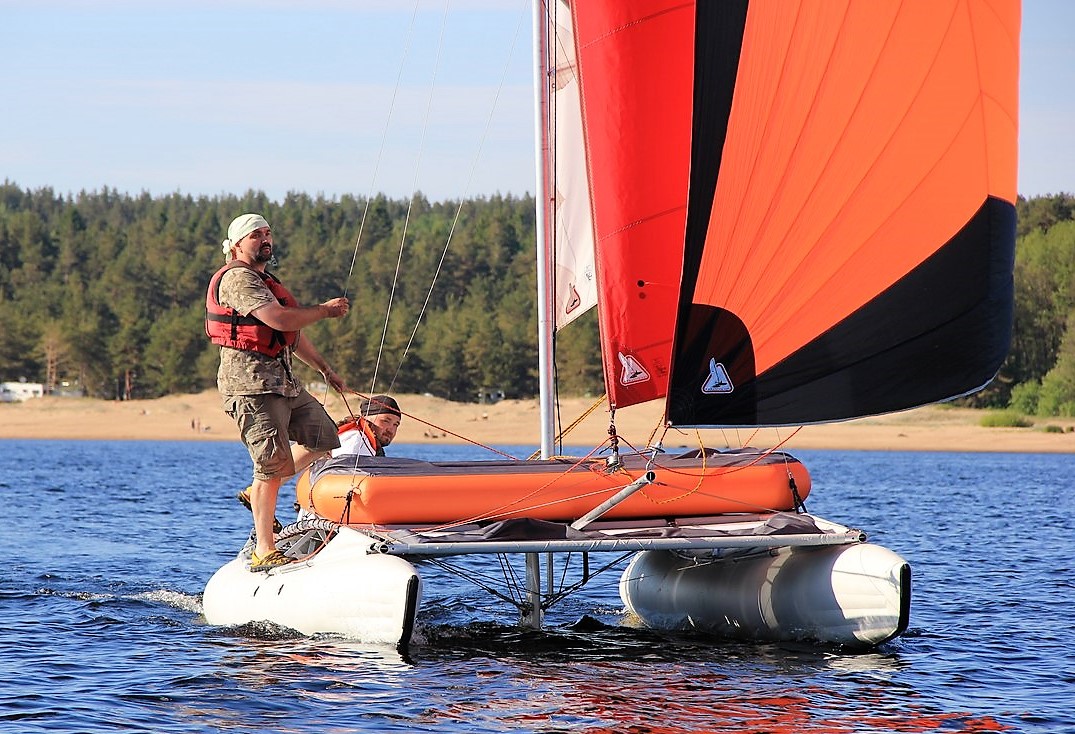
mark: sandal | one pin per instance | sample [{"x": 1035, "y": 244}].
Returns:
[
  {"x": 244, "y": 498},
  {"x": 272, "y": 560}
]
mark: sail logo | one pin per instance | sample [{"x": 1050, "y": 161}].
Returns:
[
  {"x": 633, "y": 371},
  {"x": 574, "y": 301},
  {"x": 718, "y": 380}
]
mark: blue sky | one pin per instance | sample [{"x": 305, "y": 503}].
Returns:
[{"x": 219, "y": 97}]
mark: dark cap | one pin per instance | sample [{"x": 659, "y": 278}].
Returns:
[{"x": 379, "y": 404}]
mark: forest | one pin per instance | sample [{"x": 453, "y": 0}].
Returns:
[{"x": 104, "y": 293}]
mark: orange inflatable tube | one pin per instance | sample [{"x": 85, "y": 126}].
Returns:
[{"x": 391, "y": 491}]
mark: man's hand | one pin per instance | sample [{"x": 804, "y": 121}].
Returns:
[
  {"x": 336, "y": 308},
  {"x": 334, "y": 381}
]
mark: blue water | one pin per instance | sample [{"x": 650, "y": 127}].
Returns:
[{"x": 109, "y": 544}]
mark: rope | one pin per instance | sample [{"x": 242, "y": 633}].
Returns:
[
  {"x": 410, "y": 205},
  {"x": 296, "y": 531},
  {"x": 514, "y": 506},
  {"x": 459, "y": 207},
  {"x": 585, "y": 414},
  {"x": 384, "y": 139},
  {"x": 654, "y": 463},
  {"x": 436, "y": 427},
  {"x": 377, "y": 163}
]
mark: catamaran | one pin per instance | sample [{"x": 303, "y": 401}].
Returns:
[{"x": 785, "y": 213}]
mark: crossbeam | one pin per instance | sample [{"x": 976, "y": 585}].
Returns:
[{"x": 613, "y": 544}]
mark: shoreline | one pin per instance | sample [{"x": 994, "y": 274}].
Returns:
[{"x": 199, "y": 417}]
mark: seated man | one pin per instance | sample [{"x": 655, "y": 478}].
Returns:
[{"x": 372, "y": 430}]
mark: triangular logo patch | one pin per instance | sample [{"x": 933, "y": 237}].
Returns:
[
  {"x": 718, "y": 380},
  {"x": 633, "y": 371},
  {"x": 574, "y": 301}
]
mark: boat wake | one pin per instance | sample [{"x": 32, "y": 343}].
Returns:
[{"x": 176, "y": 599}]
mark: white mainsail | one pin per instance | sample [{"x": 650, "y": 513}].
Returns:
[{"x": 569, "y": 190}]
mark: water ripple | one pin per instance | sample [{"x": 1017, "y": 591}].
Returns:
[{"x": 103, "y": 632}]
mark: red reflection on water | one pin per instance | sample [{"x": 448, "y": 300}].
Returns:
[{"x": 701, "y": 706}]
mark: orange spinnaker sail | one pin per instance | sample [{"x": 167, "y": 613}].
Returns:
[
  {"x": 849, "y": 172},
  {"x": 855, "y": 254}
]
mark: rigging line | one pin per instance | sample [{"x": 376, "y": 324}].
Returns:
[
  {"x": 511, "y": 580},
  {"x": 410, "y": 205},
  {"x": 558, "y": 422},
  {"x": 384, "y": 139},
  {"x": 483, "y": 581},
  {"x": 725, "y": 471},
  {"x": 514, "y": 505},
  {"x": 358, "y": 427},
  {"x": 444, "y": 431},
  {"x": 377, "y": 164},
  {"x": 564, "y": 591},
  {"x": 762, "y": 454},
  {"x": 553, "y": 52},
  {"x": 560, "y": 437},
  {"x": 462, "y": 200},
  {"x": 662, "y": 422}
]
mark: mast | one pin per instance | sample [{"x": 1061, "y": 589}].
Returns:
[
  {"x": 532, "y": 615},
  {"x": 545, "y": 317}
]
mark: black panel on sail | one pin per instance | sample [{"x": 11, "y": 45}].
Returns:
[
  {"x": 940, "y": 332},
  {"x": 718, "y": 44},
  {"x": 718, "y": 39}
]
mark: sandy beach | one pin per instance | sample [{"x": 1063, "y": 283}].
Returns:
[{"x": 428, "y": 419}]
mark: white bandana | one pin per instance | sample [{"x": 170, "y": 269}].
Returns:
[{"x": 240, "y": 227}]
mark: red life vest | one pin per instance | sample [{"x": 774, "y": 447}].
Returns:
[
  {"x": 361, "y": 424},
  {"x": 228, "y": 328}
]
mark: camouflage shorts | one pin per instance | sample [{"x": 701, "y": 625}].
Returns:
[{"x": 269, "y": 422}]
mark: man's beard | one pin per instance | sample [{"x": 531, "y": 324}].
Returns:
[
  {"x": 264, "y": 255},
  {"x": 381, "y": 437}
]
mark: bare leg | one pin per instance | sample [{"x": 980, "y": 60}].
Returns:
[
  {"x": 303, "y": 457},
  {"x": 263, "y": 494}
]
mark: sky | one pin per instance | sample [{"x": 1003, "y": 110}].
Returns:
[{"x": 333, "y": 97}]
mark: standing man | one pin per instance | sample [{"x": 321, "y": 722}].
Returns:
[
  {"x": 374, "y": 428},
  {"x": 258, "y": 325}
]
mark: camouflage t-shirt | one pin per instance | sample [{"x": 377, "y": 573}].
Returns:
[{"x": 250, "y": 373}]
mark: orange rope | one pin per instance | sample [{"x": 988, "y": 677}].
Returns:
[
  {"x": 502, "y": 510},
  {"x": 728, "y": 470},
  {"x": 574, "y": 424},
  {"x": 513, "y": 507},
  {"x": 443, "y": 430}
]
